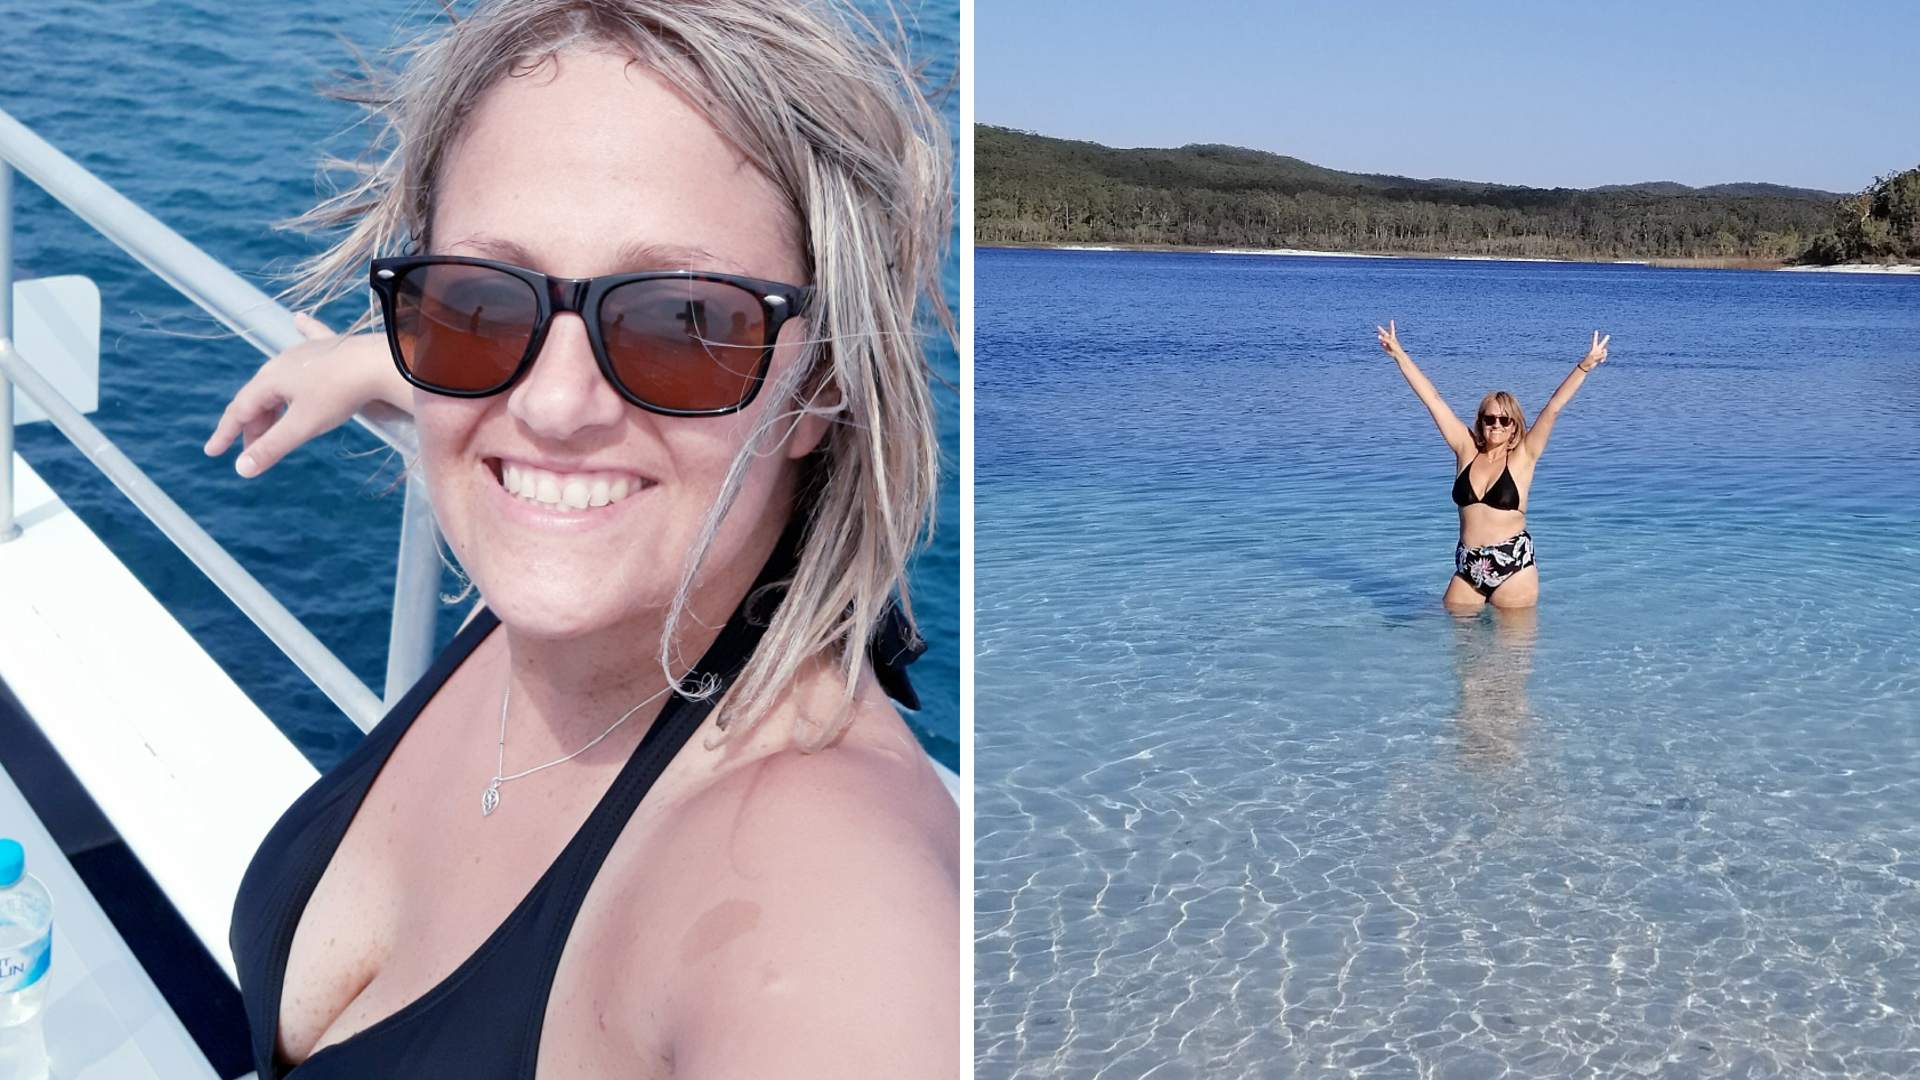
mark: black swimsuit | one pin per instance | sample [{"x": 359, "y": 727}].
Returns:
[
  {"x": 1504, "y": 494},
  {"x": 1487, "y": 568},
  {"x": 484, "y": 1019}
]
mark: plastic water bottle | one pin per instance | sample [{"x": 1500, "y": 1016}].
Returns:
[{"x": 26, "y": 948}]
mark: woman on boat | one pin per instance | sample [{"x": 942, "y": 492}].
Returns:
[
  {"x": 1493, "y": 560},
  {"x": 648, "y": 274}
]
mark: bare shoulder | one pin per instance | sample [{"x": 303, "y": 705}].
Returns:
[{"x": 817, "y": 925}]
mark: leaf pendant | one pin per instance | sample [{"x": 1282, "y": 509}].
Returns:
[{"x": 490, "y": 799}]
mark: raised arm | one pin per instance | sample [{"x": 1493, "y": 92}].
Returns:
[
  {"x": 1542, "y": 428},
  {"x": 1451, "y": 428}
]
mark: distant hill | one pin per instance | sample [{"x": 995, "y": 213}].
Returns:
[
  {"x": 1674, "y": 187},
  {"x": 1030, "y": 188}
]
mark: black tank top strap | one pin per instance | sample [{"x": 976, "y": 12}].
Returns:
[
  {"x": 552, "y": 912},
  {"x": 486, "y": 1017}
]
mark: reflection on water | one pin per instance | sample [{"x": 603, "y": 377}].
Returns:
[
  {"x": 1493, "y": 657},
  {"x": 1249, "y": 803}
]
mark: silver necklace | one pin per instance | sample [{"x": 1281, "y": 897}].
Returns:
[{"x": 490, "y": 799}]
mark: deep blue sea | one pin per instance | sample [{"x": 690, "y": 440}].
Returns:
[
  {"x": 205, "y": 113},
  {"x": 1249, "y": 802}
]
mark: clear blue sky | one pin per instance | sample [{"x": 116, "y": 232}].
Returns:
[{"x": 1544, "y": 94}]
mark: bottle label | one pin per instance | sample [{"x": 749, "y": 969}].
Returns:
[{"x": 22, "y": 967}]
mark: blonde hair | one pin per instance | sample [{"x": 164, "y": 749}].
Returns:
[
  {"x": 1511, "y": 408},
  {"x": 821, "y": 103}
]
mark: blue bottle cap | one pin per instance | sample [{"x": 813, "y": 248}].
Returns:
[{"x": 13, "y": 862}]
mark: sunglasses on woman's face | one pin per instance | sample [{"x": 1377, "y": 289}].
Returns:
[
  {"x": 678, "y": 342},
  {"x": 1494, "y": 420}
]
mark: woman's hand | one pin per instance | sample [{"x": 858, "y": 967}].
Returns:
[
  {"x": 1390, "y": 340},
  {"x": 305, "y": 391},
  {"x": 1596, "y": 353}
]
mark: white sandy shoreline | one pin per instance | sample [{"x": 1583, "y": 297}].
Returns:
[
  {"x": 1859, "y": 268},
  {"x": 1306, "y": 253},
  {"x": 1844, "y": 268},
  {"x": 1448, "y": 258}
]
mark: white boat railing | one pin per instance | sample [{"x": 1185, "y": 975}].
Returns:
[{"x": 269, "y": 327}]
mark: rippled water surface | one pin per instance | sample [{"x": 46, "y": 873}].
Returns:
[
  {"x": 205, "y": 113},
  {"x": 1250, "y": 803}
]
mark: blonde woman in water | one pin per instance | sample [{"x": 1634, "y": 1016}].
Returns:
[{"x": 1494, "y": 462}]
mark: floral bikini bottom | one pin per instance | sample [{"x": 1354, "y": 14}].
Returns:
[{"x": 1488, "y": 568}]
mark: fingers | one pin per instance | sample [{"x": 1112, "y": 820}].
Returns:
[
  {"x": 250, "y": 402},
  {"x": 249, "y": 417},
  {"x": 311, "y": 328},
  {"x": 269, "y": 438},
  {"x": 256, "y": 413},
  {"x": 223, "y": 432}
]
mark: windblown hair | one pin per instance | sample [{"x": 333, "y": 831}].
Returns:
[
  {"x": 820, "y": 102},
  {"x": 1509, "y": 407}
]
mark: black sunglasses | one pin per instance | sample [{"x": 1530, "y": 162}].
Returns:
[
  {"x": 678, "y": 342},
  {"x": 1495, "y": 421}
]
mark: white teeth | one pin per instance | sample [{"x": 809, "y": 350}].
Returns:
[{"x": 571, "y": 491}]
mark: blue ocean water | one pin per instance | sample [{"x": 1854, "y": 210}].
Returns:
[
  {"x": 205, "y": 112},
  {"x": 1248, "y": 802}
]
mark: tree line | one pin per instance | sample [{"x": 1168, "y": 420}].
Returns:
[
  {"x": 1879, "y": 224},
  {"x": 1031, "y": 189}
]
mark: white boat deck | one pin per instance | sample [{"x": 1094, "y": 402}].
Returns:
[
  {"x": 104, "y": 1019},
  {"x": 189, "y": 771}
]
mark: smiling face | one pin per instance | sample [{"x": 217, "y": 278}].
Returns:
[
  {"x": 641, "y": 182},
  {"x": 1495, "y": 424},
  {"x": 1499, "y": 422}
]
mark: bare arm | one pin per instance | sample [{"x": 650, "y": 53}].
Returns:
[
  {"x": 1542, "y": 428},
  {"x": 849, "y": 967},
  {"x": 305, "y": 391},
  {"x": 1455, "y": 432}
]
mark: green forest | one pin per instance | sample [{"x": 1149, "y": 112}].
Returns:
[
  {"x": 1031, "y": 189},
  {"x": 1881, "y": 224}
]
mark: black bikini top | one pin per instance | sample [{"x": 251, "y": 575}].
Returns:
[
  {"x": 486, "y": 1018},
  {"x": 1503, "y": 495}
]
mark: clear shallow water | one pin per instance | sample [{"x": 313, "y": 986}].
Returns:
[
  {"x": 1250, "y": 803},
  {"x": 205, "y": 113}
]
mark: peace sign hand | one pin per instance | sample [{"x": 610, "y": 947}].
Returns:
[
  {"x": 1390, "y": 340},
  {"x": 1597, "y": 352}
]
